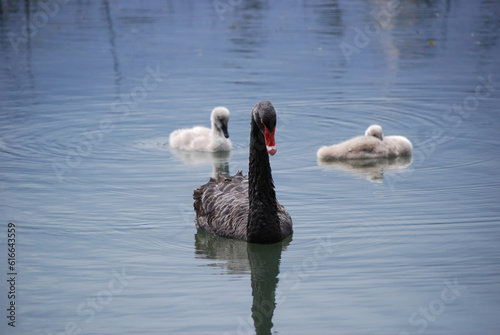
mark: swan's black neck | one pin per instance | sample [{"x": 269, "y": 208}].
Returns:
[{"x": 263, "y": 224}]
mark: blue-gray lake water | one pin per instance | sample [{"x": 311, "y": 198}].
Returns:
[{"x": 105, "y": 240}]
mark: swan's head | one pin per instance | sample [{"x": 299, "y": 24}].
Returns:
[
  {"x": 220, "y": 119},
  {"x": 264, "y": 116},
  {"x": 376, "y": 131}
]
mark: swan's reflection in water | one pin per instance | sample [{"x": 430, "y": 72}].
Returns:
[
  {"x": 261, "y": 261},
  {"x": 218, "y": 160},
  {"x": 372, "y": 169}
]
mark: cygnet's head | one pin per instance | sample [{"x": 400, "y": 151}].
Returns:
[
  {"x": 375, "y": 130},
  {"x": 220, "y": 119}
]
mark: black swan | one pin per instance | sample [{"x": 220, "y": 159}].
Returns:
[
  {"x": 202, "y": 138},
  {"x": 241, "y": 208},
  {"x": 372, "y": 145}
]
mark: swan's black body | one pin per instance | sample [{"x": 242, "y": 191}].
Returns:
[{"x": 241, "y": 208}]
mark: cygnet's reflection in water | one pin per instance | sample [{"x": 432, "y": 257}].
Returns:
[
  {"x": 218, "y": 160},
  {"x": 260, "y": 260},
  {"x": 372, "y": 168}
]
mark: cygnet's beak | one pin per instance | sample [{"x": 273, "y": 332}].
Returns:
[{"x": 224, "y": 130}]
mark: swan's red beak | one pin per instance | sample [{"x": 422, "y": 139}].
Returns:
[{"x": 270, "y": 144}]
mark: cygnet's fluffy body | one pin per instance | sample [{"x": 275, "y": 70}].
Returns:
[
  {"x": 372, "y": 145},
  {"x": 202, "y": 138}
]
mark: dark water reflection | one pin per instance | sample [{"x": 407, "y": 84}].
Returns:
[{"x": 261, "y": 261}]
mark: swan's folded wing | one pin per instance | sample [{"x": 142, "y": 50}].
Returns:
[
  {"x": 285, "y": 221},
  {"x": 221, "y": 206}
]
